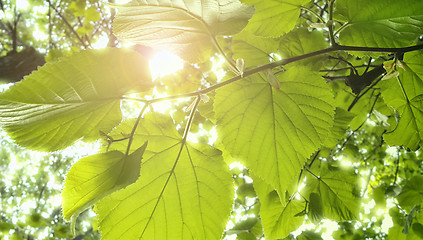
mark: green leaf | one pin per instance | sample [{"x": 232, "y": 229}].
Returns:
[
  {"x": 395, "y": 233},
  {"x": 405, "y": 95},
  {"x": 92, "y": 14},
  {"x": 380, "y": 23},
  {"x": 96, "y": 176},
  {"x": 5, "y": 226},
  {"x": 339, "y": 192},
  {"x": 300, "y": 41},
  {"x": 274, "y": 131},
  {"x": 253, "y": 49},
  {"x": 76, "y": 97},
  {"x": 185, "y": 190},
  {"x": 340, "y": 125},
  {"x": 185, "y": 28},
  {"x": 243, "y": 226},
  {"x": 278, "y": 218},
  {"x": 274, "y": 17},
  {"x": 309, "y": 235},
  {"x": 412, "y": 193},
  {"x": 246, "y": 190},
  {"x": 409, "y": 219},
  {"x": 418, "y": 229}
]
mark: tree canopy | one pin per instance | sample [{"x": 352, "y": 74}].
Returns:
[{"x": 292, "y": 119}]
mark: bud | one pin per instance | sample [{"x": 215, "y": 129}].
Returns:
[
  {"x": 240, "y": 66},
  {"x": 204, "y": 98},
  {"x": 271, "y": 78}
]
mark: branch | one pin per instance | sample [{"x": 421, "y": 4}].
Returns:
[
  {"x": 281, "y": 63},
  {"x": 68, "y": 24}
]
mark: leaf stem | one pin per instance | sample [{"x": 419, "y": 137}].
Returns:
[
  {"x": 229, "y": 62},
  {"x": 313, "y": 13},
  {"x": 397, "y": 166},
  {"x": 172, "y": 171},
  {"x": 134, "y": 128},
  {"x": 330, "y": 24},
  {"x": 403, "y": 90},
  {"x": 191, "y": 117},
  {"x": 312, "y": 174},
  {"x": 340, "y": 29}
]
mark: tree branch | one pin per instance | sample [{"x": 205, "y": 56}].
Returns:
[
  {"x": 284, "y": 62},
  {"x": 69, "y": 26}
]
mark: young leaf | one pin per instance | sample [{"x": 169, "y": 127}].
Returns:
[
  {"x": 274, "y": 131},
  {"x": 339, "y": 192},
  {"x": 274, "y": 17},
  {"x": 96, "y": 176},
  {"x": 185, "y": 190},
  {"x": 76, "y": 97},
  {"x": 405, "y": 95},
  {"x": 185, "y": 28},
  {"x": 278, "y": 218},
  {"x": 380, "y": 23}
]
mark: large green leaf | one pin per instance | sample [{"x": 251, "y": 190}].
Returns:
[
  {"x": 405, "y": 94},
  {"x": 274, "y": 17},
  {"x": 380, "y": 23},
  {"x": 339, "y": 192},
  {"x": 255, "y": 50},
  {"x": 185, "y": 190},
  {"x": 274, "y": 131},
  {"x": 76, "y": 97},
  {"x": 96, "y": 176},
  {"x": 278, "y": 218},
  {"x": 186, "y": 28}
]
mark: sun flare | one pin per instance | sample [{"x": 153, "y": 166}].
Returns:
[{"x": 164, "y": 63}]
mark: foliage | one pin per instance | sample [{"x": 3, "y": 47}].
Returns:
[{"x": 321, "y": 102}]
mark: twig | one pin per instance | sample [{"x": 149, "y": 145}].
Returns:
[
  {"x": 69, "y": 26},
  {"x": 397, "y": 166}
]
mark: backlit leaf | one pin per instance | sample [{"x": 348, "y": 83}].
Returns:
[
  {"x": 96, "y": 176},
  {"x": 409, "y": 129},
  {"x": 76, "y": 97},
  {"x": 274, "y": 17},
  {"x": 339, "y": 192},
  {"x": 185, "y": 28},
  {"x": 274, "y": 131},
  {"x": 185, "y": 190},
  {"x": 380, "y": 23},
  {"x": 278, "y": 218}
]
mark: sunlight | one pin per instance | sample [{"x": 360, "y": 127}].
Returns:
[
  {"x": 22, "y": 4},
  {"x": 165, "y": 63}
]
